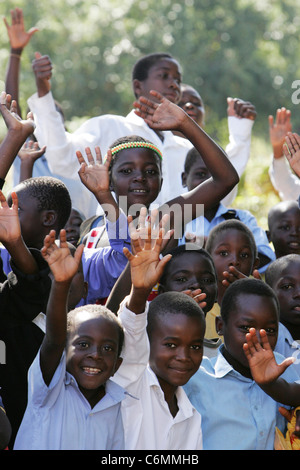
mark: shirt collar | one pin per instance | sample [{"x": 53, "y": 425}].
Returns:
[{"x": 222, "y": 367}]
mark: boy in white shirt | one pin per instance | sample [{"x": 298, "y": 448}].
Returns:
[{"x": 163, "y": 349}]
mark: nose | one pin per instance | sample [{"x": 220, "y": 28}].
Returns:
[
  {"x": 139, "y": 176},
  {"x": 296, "y": 291},
  {"x": 295, "y": 230},
  {"x": 234, "y": 260},
  {"x": 188, "y": 105},
  {"x": 183, "y": 354}
]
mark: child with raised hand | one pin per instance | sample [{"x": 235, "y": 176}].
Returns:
[
  {"x": 133, "y": 168},
  {"x": 163, "y": 348},
  {"x": 246, "y": 417},
  {"x": 283, "y": 276},
  {"x": 72, "y": 403}
]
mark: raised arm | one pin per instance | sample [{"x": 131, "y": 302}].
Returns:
[
  {"x": 266, "y": 372},
  {"x": 146, "y": 267},
  {"x": 10, "y": 236},
  {"x": 291, "y": 150},
  {"x": 17, "y": 132},
  {"x": 95, "y": 177},
  {"x": 18, "y": 38},
  {"x": 63, "y": 267},
  {"x": 164, "y": 115}
]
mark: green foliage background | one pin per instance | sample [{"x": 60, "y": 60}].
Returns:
[{"x": 241, "y": 48}]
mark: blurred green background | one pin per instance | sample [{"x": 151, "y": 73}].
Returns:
[{"x": 240, "y": 48}]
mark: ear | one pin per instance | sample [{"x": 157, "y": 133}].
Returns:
[
  {"x": 219, "y": 325},
  {"x": 49, "y": 218},
  {"x": 183, "y": 179},
  {"x": 256, "y": 263},
  {"x": 160, "y": 289},
  {"x": 117, "y": 365},
  {"x": 137, "y": 88}
]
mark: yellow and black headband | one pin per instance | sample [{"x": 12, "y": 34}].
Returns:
[{"x": 136, "y": 144}]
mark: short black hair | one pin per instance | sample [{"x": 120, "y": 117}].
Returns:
[
  {"x": 142, "y": 66},
  {"x": 182, "y": 249},
  {"x": 191, "y": 157},
  {"x": 232, "y": 224},
  {"x": 246, "y": 286},
  {"x": 274, "y": 269},
  {"x": 101, "y": 311},
  {"x": 173, "y": 303},
  {"x": 51, "y": 194}
]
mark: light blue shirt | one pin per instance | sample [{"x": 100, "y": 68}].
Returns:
[
  {"x": 201, "y": 227},
  {"x": 287, "y": 346},
  {"x": 59, "y": 417},
  {"x": 236, "y": 413}
]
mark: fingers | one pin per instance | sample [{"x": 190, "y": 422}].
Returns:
[{"x": 292, "y": 141}]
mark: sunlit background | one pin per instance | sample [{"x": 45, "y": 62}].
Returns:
[{"x": 240, "y": 48}]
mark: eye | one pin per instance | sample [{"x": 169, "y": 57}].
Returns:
[
  {"x": 245, "y": 255},
  {"x": 196, "y": 347},
  {"x": 126, "y": 171},
  {"x": 151, "y": 172},
  {"x": 181, "y": 279},
  {"x": 223, "y": 253},
  {"x": 286, "y": 286},
  {"x": 284, "y": 228},
  {"x": 83, "y": 344}
]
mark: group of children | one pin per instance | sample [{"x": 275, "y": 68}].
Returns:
[{"x": 130, "y": 322}]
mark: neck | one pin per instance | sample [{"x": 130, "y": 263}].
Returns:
[
  {"x": 169, "y": 392},
  {"x": 245, "y": 371},
  {"x": 210, "y": 213},
  {"x": 293, "y": 329}
]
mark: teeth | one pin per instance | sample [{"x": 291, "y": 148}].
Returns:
[
  {"x": 139, "y": 191},
  {"x": 92, "y": 370}
]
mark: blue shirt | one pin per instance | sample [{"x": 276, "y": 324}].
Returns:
[
  {"x": 236, "y": 413},
  {"x": 102, "y": 266},
  {"x": 201, "y": 227},
  {"x": 287, "y": 346},
  {"x": 59, "y": 417}
]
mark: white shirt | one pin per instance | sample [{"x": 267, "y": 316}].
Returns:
[
  {"x": 284, "y": 180},
  {"x": 148, "y": 423},
  {"x": 59, "y": 417}
]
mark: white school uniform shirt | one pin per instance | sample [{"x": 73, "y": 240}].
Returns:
[
  {"x": 284, "y": 180},
  {"x": 148, "y": 423},
  {"x": 58, "y": 417}
]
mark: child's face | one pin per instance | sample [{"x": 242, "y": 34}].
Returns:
[
  {"x": 164, "y": 77},
  {"x": 72, "y": 227},
  {"x": 176, "y": 349},
  {"x": 191, "y": 271},
  {"x": 285, "y": 231},
  {"x": 232, "y": 248},
  {"x": 136, "y": 174},
  {"x": 251, "y": 311},
  {"x": 30, "y": 218},
  {"x": 92, "y": 353},
  {"x": 197, "y": 174},
  {"x": 287, "y": 289},
  {"x": 191, "y": 102}
]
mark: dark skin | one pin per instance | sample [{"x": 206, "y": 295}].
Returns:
[
  {"x": 175, "y": 349},
  {"x": 266, "y": 372}
]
